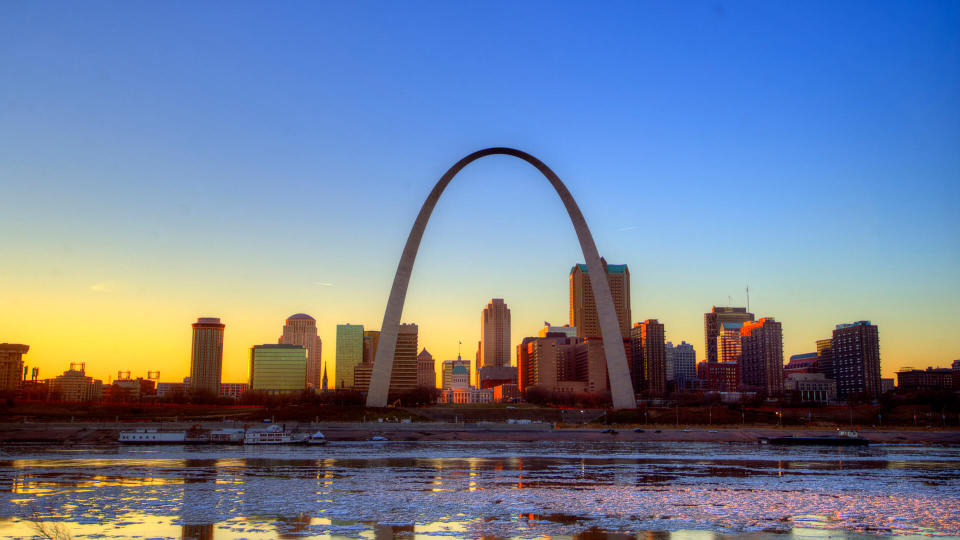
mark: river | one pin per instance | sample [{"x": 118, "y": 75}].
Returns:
[{"x": 480, "y": 490}]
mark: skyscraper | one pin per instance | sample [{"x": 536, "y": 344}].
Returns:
[
  {"x": 349, "y": 353},
  {"x": 728, "y": 342},
  {"x": 583, "y": 306},
  {"x": 825, "y": 358},
  {"x": 761, "y": 363},
  {"x": 648, "y": 350},
  {"x": 280, "y": 368},
  {"x": 681, "y": 363},
  {"x": 712, "y": 324},
  {"x": 426, "y": 371},
  {"x": 206, "y": 358},
  {"x": 301, "y": 329},
  {"x": 404, "y": 375},
  {"x": 856, "y": 359},
  {"x": 495, "y": 334},
  {"x": 371, "y": 338},
  {"x": 11, "y": 366}
]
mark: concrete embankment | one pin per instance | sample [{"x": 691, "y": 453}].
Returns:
[{"x": 92, "y": 433}]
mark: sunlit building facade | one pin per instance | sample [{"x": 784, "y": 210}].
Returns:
[{"x": 713, "y": 323}]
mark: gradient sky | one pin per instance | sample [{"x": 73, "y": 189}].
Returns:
[{"x": 161, "y": 161}]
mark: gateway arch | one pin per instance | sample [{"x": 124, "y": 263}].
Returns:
[{"x": 619, "y": 374}]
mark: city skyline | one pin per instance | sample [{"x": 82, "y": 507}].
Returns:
[{"x": 139, "y": 180}]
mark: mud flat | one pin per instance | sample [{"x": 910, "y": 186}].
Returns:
[{"x": 107, "y": 433}]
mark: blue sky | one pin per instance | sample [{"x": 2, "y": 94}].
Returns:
[{"x": 162, "y": 161}]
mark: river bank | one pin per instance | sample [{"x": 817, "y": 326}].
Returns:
[{"x": 87, "y": 433}]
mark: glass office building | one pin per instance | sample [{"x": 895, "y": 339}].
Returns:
[
  {"x": 349, "y": 353},
  {"x": 278, "y": 368}
]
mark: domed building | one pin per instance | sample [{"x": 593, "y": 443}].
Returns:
[{"x": 301, "y": 329}]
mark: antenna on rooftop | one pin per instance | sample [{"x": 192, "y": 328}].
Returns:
[{"x": 748, "y": 298}]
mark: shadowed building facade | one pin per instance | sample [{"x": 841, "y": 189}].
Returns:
[
  {"x": 206, "y": 358},
  {"x": 649, "y": 353},
  {"x": 613, "y": 345},
  {"x": 349, "y": 353},
  {"x": 278, "y": 368},
  {"x": 761, "y": 364},
  {"x": 583, "y": 304},
  {"x": 856, "y": 359},
  {"x": 495, "y": 334},
  {"x": 11, "y": 366},
  {"x": 426, "y": 370}
]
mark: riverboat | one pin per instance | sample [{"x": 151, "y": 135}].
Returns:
[
  {"x": 317, "y": 438},
  {"x": 227, "y": 436},
  {"x": 152, "y": 436},
  {"x": 273, "y": 434},
  {"x": 842, "y": 438}
]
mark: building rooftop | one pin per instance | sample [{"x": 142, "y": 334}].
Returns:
[
  {"x": 459, "y": 369},
  {"x": 857, "y": 323},
  {"x": 300, "y": 316},
  {"x": 611, "y": 268},
  {"x": 277, "y": 346},
  {"x": 14, "y": 347}
]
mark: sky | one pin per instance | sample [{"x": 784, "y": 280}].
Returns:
[{"x": 163, "y": 161}]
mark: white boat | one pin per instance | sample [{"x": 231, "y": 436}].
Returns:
[
  {"x": 317, "y": 438},
  {"x": 152, "y": 436},
  {"x": 227, "y": 436},
  {"x": 378, "y": 438},
  {"x": 273, "y": 434}
]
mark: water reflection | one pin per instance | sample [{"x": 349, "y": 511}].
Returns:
[{"x": 606, "y": 490}]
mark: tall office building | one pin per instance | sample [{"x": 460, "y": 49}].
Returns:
[
  {"x": 349, "y": 353},
  {"x": 728, "y": 342},
  {"x": 825, "y": 358},
  {"x": 583, "y": 306},
  {"x": 206, "y": 358},
  {"x": 648, "y": 350},
  {"x": 279, "y": 368},
  {"x": 426, "y": 370},
  {"x": 301, "y": 329},
  {"x": 495, "y": 334},
  {"x": 761, "y": 358},
  {"x": 712, "y": 324},
  {"x": 11, "y": 366},
  {"x": 371, "y": 338},
  {"x": 404, "y": 374},
  {"x": 680, "y": 363},
  {"x": 856, "y": 359}
]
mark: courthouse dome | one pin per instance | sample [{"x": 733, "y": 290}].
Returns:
[{"x": 300, "y": 316}]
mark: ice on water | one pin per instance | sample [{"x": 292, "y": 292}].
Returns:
[{"x": 487, "y": 489}]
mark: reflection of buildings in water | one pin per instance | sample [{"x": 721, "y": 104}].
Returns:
[
  {"x": 196, "y": 498},
  {"x": 389, "y": 532},
  {"x": 196, "y": 532},
  {"x": 292, "y": 527},
  {"x": 594, "y": 533}
]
